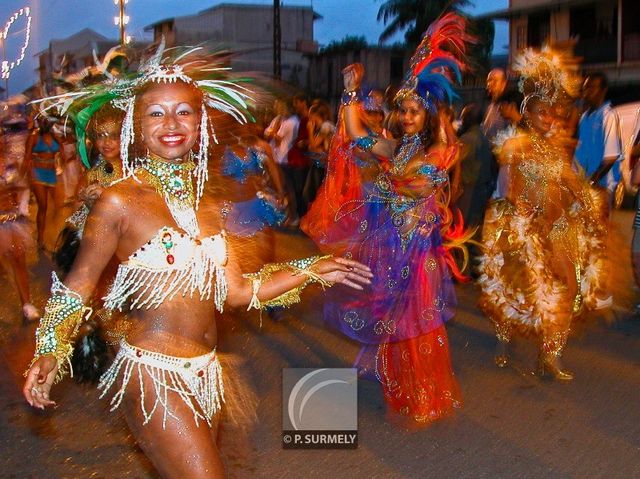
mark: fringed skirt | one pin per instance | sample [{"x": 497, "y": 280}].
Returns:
[
  {"x": 526, "y": 262},
  {"x": 197, "y": 381}
]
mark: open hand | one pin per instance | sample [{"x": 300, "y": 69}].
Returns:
[
  {"x": 40, "y": 378},
  {"x": 344, "y": 271}
]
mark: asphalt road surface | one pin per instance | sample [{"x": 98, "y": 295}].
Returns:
[{"x": 513, "y": 423}]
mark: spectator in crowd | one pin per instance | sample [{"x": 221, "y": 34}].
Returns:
[
  {"x": 493, "y": 121},
  {"x": 297, "y": 166},
  {"x": 477, "y": 167},
  {"x": 374, "y": 115},
  {"x": 281, "y": 135},
  {"x": 320, "y": 133},
  {"x": 42, "y": 156},
  {"x": 509, "y": 107},
  {"x": 599, "y": 149}
]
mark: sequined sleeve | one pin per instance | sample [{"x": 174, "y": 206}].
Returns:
[{"x": 55, "y": 334}]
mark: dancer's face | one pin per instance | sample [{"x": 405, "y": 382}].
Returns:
[
  {"x": 412, "y": 116},
  {"x": 108, "y": 141},
  {"x": 170, "y": 119},
  {"x": 540, "y": 116}
]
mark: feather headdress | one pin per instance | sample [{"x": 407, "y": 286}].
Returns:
[
  {"x": 221, "y": 90},
  {"x": 550, "y": 74},
  {"x": 436, "y": 63}
]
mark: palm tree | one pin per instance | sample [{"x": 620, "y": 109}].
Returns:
[{"x": 414, "y": 16}]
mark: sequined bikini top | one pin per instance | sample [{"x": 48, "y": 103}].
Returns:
[{"x": 169, "y": 264}]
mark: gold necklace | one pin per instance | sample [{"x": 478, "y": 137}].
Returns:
[{"x": 170, "y": 179}]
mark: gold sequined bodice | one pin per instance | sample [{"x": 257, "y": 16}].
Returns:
[{"x": 538, "y": 168}]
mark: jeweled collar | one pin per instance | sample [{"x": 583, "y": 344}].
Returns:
[{"x": 170, "y": 178}]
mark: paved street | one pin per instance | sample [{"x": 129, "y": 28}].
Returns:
[{"x": 513, "y": 424}]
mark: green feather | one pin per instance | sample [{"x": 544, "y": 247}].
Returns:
[{"x": 82, "y": 118}]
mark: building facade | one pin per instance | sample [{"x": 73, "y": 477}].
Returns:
[
  {"x": 607, "y": 35},
  {"x": 247, "y": 30}
]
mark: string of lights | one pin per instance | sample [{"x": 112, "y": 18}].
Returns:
[{"x": 7, "y": 66}]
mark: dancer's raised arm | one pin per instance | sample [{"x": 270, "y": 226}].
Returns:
[{"x": 352, "y": 77}]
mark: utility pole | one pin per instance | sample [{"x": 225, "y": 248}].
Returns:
[{"x": 277, "y": 38}]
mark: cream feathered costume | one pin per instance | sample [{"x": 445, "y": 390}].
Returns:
[{"x": 544, "y": 242}]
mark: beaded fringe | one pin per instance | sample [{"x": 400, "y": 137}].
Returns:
[
  {"x": 149, "y": 288},
  {"x": 198, "y": 381}
]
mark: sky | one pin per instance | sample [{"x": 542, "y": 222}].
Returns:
[{"x": 53, "y": 19}]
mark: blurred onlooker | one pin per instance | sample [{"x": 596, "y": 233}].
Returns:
[
  {"x": 477, "y": 167},
  {"x": 503, "y": 112},
  {"x": 281, "y": 134},
  {"x": 635, "y": 181},
  {"x": 374, "y": 116},
  {"x": 297, "y": 166},
  {"x": 43, "y": 156},
  {"x": 15, "y": 232},
  {"x": 509, "y": 106},
  {"x": 391, "y": 122},
  {"x": 320, "y": 133},
  {"x": 389, "y": 96},
  {"x": 71, "y": 169},
  {"x": 493, "y": 120},
  {"x": 599, "y": 149}
]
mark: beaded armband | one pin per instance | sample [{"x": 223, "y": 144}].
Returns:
[
  {"x": 62, "y": 316},
  {"x": 297, "y": 267},
  {"x": 365, "y": 143},
  {"x": 349, "y": 97}
]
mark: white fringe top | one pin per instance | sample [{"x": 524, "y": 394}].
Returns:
[{"x": 171, "y": 263}]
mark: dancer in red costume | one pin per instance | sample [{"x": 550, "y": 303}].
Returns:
[{"x": 389, "y": 209}]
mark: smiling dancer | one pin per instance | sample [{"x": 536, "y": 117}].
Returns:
[
  {"x": 175, "y": 270},
  {"x": 390, "y": 211}
]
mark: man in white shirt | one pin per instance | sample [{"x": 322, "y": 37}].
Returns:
[
  {"x": 281, "y": 135},
  {"x": 282, "y": 131},
  {"x": 599, "y": 149}
]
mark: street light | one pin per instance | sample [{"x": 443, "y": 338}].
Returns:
[{"x": 121, "y": 21}]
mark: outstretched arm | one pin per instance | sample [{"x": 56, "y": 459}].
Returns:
[
  {"x": 65, "y": 309},
  {"x": 286, "y": 280}
]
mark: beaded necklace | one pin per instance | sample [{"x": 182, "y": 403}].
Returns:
[
  {"x": 409, "y": 146},
  {"x": 172, "y": 181}
]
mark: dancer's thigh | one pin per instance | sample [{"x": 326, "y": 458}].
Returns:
[{"x": 181, "y": 449}]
